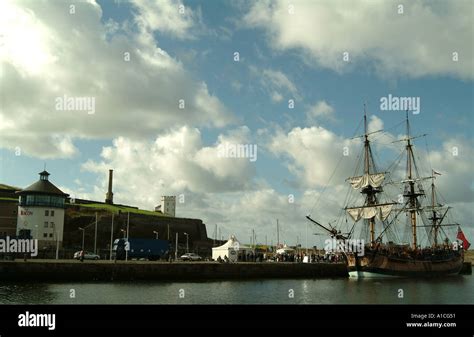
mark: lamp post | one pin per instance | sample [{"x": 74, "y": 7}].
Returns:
[
  {"x": 176, "y": 248},
  {"x": 128, "y": 228},
  {"x": 187, "y": 242},
  {"x": 57, "y": 241},
  {"x": 111, "y": 236},
  {"x": 95, "y": 235},
  {"x": 125, "y": 243},
  {"x": 156, "y": 233},
  {"x": 83, "y": 232}
]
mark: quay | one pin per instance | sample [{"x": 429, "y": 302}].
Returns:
[{"x": 72, "y": 270}]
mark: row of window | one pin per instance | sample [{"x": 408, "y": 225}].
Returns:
[
  {"x": 48, "y": 212},
  {"x": 41, "y": 200},
  {"x": 47, "y": 226},
  {"x": 45, "y": 235}
]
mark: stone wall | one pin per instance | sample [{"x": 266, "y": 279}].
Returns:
[
  {"x": 183, "y": 271},
  {"x": 141, "y": 226}
]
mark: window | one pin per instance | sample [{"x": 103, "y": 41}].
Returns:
[
  {"x": 45, "y": 235},
  {"x": 52, "y": 213},
  {"x": 50, "y": 235},
  {"x": 52, "y": 224},
  {"x": 46, "y": 224},
  {"x": 46, "y": 213},
  {"x": 57, "y": 201}
]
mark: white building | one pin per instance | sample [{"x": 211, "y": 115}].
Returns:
[
  {"x": 41, "y": 212},
  {"x": 167, "y": 206}
]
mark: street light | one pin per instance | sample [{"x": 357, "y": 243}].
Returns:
[
  {"x": 126, "y": 242},
  {"x": 187, "y": 242},
  {"x": 83, "y": 232},
  {"x": 57, "y": 240},
  {"x": 155, "y": 232}
]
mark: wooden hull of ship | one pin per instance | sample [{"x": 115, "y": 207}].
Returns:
[{"x": 380, "y": 266}]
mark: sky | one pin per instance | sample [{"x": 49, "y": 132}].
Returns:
[{"x": 171, "y": 83}]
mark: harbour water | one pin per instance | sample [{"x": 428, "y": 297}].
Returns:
[{"x": 448, "y": 290}]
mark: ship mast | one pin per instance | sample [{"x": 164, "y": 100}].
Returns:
[
  {"x": 410, "y": 192},
  {"x": 370, "y": 183},
  {"x": 435, "y": 217},
  {"x": 369, "y": 191}
]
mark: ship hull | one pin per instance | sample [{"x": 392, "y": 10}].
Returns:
[{"x": 378, "y": 266}]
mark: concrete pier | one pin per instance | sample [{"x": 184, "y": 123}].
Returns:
[{"x": 71, "y": 270}]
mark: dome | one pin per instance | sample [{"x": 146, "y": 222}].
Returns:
[{"x": 43, "y": 186}]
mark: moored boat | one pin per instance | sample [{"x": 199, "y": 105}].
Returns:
[{"x": 413, "y": 211}]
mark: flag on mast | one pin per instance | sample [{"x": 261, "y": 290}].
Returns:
[{"x": 462, "y": 237}]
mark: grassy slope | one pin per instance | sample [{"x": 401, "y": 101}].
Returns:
[
  {"x": 115, "y": 209},
  {"x": 8, "y": 187}
]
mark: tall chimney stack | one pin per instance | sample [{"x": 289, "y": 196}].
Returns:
[{"x": 109, "y": 197}]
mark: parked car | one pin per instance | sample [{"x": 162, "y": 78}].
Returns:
[
  {"x": 87, "y": 256},
  {"x": 191, "y": 257}
]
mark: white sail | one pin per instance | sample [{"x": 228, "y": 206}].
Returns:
[
  {"x": 374, "y": 180},
  {"x": 381, "y": 212}
]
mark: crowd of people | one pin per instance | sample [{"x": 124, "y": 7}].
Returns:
[
  {"x": 286, "y": 257},
  {"x": 402, "y": 252}
]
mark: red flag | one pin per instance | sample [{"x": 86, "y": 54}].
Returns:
[{"x": 465, "y": 243}]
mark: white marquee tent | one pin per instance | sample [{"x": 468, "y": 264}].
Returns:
[
  {"x": 231, "y": 249},
  {"x": 284, "y": 250}
]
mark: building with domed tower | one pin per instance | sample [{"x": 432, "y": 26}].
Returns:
[
  {"x": 65, "y": 224},
  {"x": 41, "y": 209}
]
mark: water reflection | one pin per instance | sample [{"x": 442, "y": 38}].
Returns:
[
  {"x": 25, "y": 293},
  {"x": 455, "y": 290}
]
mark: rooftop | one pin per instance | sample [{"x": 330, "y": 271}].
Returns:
[{"x": 43, "y": 186}]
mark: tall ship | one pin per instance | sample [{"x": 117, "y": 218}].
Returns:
[{"x": 387, "y": 216}]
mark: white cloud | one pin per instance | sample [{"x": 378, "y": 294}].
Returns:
[
  {"x": 456, "y": 181},
  {"x": 276, "y": 83},
  {"x": 408, "y": 44},
  {"x": 276, "y": 97},
  {"x": 176, "y": 162},
  {"x": 278, "y": 80},
  {"x": 167, "y": 16},
  {"x": 50, "y": 53},
  {"x": 312, "y": 153},
  {"x": 319, "y": 110}
]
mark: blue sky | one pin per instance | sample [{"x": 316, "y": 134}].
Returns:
[{"x": 245, "y": 101}]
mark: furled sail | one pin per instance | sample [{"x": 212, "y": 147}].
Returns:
[
  {"x": 374, "y": 180},
  {"x": 381, "y": 212}
]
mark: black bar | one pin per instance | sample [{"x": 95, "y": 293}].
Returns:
[{"x": 240, "y": 320}]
